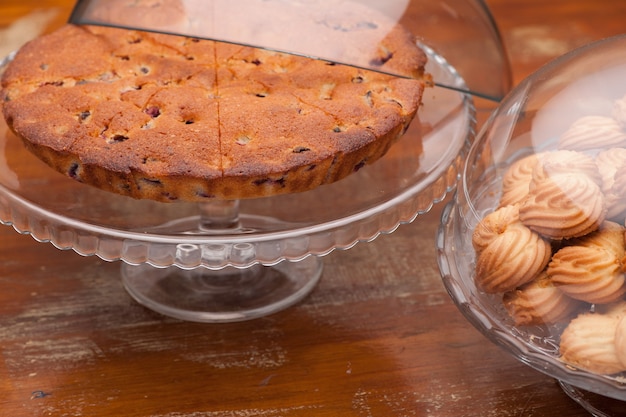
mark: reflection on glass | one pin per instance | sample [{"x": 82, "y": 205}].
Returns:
[{"x": 351, "y": 32}]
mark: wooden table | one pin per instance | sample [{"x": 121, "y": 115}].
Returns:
[{"x": 378, "y": 336}]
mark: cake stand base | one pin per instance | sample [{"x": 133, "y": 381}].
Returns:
[
  {"x": 225, "y": 295},
  {"x": 597, "y": 405}
]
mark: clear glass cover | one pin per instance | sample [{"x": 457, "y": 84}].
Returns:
[
  {"x": 237, "y": 260},
  {"x": 346, "y": 31},
  {"x": 532, "y": 247}
]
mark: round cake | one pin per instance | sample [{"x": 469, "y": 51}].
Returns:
[{"x": 172, "y": 118}]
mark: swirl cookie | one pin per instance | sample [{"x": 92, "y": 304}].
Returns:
[
  {"x": 493, "y": 225},
  {"x": 563, "y": 206},
  {"x": 609, "y": 162},
  {"x": 511, "y": 258},
  {"x": 516, "y": 180},
  {"x": 620, "y": 340},
  {"x": 609, "y": 236},
  {"x": 551, "y": 164},
  {"x": 592, "y": 274},
  {"x": 616, "y": 197},
  {"x": 593, "y": 132},
  {"x": 588, "y": 342},
  {"x": 540, "y": 302},
  {"x": 619, "y": 112}
]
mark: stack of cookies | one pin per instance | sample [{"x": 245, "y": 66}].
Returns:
[{"x": 555, "y": 247}]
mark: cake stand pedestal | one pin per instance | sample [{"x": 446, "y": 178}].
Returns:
[{"x": 230, "y": 294}]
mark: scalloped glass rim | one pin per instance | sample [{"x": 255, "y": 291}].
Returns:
[{"x": 427, "y": 178}]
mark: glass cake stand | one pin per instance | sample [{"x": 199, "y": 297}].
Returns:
[
  {"x": 539, "y": 117},
  {"x": 237, "y": 260}
]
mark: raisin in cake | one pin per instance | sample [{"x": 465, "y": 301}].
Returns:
[{"x": 173, "y": 118}]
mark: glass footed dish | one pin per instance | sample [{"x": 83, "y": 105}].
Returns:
[
  {"x": 523, "y": 248},
  {"x": 237, "y": 260}
]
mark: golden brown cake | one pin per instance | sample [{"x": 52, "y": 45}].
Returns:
[{"x": 174, "y": 118}]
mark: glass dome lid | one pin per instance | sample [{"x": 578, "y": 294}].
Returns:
[
  {"x": 350, "y": 32},
  {"x": 532, "y": 249}
]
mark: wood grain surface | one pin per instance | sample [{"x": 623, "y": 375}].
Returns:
[{"x": 378, "y": 337}]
